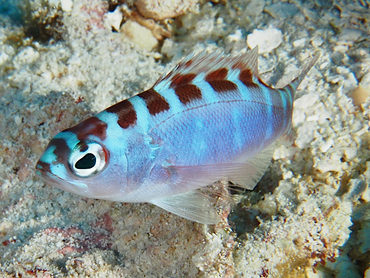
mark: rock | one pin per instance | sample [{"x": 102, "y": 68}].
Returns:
[
  {"x": 139, "y": 35},
  {"x": 281, "y": 10},
  {"x": 67, "y": 5},
  {"x": 266, "y": 40},
  {"x": 360, "y": 95},
  {"x": 114, "y": 18}
]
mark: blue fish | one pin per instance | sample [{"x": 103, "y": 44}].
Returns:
[{"x": 211, "y": 118}]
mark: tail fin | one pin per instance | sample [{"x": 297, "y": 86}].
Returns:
[{"x": 302, "y": 72}]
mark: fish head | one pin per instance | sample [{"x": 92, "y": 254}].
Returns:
[{"x": 78, "y": 161}]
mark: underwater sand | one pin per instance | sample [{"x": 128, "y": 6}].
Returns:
[{"x": 309, "y": 215}]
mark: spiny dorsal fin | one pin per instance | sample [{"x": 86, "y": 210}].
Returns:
[{"x": 206, "y": 63}]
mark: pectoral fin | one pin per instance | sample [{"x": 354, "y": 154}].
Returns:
[
  {"x": 246, "y": 174},
  {"x": 193, "y": 205}
]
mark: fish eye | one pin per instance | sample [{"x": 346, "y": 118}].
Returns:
[{"x": 87, "y": 159}]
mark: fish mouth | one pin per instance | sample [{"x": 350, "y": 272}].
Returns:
[
  {"x": 43, "y": 170},
  {"x": 42, "y": 167},
  {"x": 77, "y": 187}
]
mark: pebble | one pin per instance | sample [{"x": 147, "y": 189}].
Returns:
[
  {"x": 67, "y": 5},
  {"x": 360, "y": 95},
  {"x": 267, "y": 40},
  {"x": 349, "y": 35},
  {"x": 300, "y": 42},
  {"x": 328, "y": 164},
  {"x": 255, "y": 7},
  {"x": 317, "y": 41},
  {"x": 281, "y": 10},
  {"x": 139, "y": 35},
  {"x": 327, "y": 145},
  {"x": 114, "y": 18}
]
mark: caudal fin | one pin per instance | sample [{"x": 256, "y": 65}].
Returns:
[{"x": 302, "y": 72}]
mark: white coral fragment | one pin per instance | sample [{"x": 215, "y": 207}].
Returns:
[
  {"x": 67, "y": 5},
  {"x": 139, "y": 35},
  {"x": 267, "y": 40},
  {"x": 114, "y": 18}
]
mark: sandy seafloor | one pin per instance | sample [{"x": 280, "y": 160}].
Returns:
[{"x": 308, "y": 217}]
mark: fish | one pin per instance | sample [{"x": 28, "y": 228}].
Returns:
[{"x": 211, "y": 118}]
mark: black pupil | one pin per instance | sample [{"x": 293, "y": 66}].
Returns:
[{"x": 87, "y": 162}]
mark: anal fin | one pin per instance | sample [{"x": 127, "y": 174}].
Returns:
[
  {"x": 193, "y": 205},
  {"x": 245, "y": 172},
  {"x": 253, "y": 169}
]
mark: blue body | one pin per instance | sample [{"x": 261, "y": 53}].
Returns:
[{"x": 211, "y": 118}]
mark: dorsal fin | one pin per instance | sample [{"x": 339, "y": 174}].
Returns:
[{"x": 206, "y": 63}]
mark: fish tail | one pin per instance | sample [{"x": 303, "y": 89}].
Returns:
[{"x": 293, "y": 85}]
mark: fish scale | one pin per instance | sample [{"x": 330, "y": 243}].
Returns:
[{"x": 211, "y": 118}]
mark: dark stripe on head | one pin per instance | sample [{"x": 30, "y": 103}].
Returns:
[
  {"x": 246, "y": 77},
  {"x": 219, "y": 74},
  {"x": 43, "y": 167},
  {"x": 61, "y": 152},
  {"x": 223, "y": 86},
  {"x": 61, "y": 149},
  {"x": 180, "y": 80},
  {"x": 188, "y": 93},
  {"x": 126, "y": 113},
  {"x": 154, "y": 101},
  {"x": 91, "y": 126}
]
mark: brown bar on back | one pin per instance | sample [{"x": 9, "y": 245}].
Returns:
[
  {"x": 188, "y": 93},
  {"x": 126, "y": 113},
  {"x": 246, "y": 77},
  {"x": 182, "y": 79},
  {"x": 223, "y": 86},
  {"x": 219, "y": 74},
  {"x": 154, "y": 101}
]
